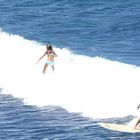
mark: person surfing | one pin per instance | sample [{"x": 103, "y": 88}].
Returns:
[
  {"x": 50, "y": 58},
  {"x": 138, "y": 121}
]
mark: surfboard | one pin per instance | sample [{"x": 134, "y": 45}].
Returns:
[{"x": 120, "y": 127}]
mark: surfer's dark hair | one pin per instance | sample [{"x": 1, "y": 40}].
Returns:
[{"x": 49, "y": 47}]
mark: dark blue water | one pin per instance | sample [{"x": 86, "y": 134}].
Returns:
[
  {"x": 109, "y": 29},
  {"x": 26, "y": 122}
]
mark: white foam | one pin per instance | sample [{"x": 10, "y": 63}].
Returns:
[{"x": 94, "y": 86}]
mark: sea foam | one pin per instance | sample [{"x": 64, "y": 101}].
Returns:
[{"x": 93, "y": 86}]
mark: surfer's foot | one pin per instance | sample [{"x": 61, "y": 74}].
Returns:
[
  {"x": 43, "y": 72},
  {"x": 135, "y": 127}
]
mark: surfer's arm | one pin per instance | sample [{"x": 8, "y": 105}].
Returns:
[{"x": 41, "y": 57}]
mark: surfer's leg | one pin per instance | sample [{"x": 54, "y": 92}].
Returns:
[
  {"x": 52, "y": 67},
  {"x": 45, "y": 67},
  {"x": 138, "y": 122}
]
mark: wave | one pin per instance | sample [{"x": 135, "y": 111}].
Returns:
[{"x": 93, "y": 86}]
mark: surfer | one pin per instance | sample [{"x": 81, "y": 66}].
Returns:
[
  {"x": 50, "y": 58},
  {"x": 138, "y": 121}
]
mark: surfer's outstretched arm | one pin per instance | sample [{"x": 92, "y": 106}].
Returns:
[{"x": 41, "y": 57}]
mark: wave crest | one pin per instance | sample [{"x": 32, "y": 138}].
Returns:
[{"x": 94, "y": 86}]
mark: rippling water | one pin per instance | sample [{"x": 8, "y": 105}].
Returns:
[{"x": 24, "y": 122}]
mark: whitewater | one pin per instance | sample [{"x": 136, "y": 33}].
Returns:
[{"x": 93, "y": 86}]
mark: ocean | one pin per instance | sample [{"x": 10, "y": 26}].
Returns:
[{"x": 97, "y": 70}]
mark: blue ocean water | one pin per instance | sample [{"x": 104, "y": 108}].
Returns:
[
  {"x": 108, "y": 29},
  {"x": 25, "y": 122},
  {"x": 97, "y": 67}
]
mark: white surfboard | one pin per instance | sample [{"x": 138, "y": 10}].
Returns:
[{"x": 120, "y": 127}]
